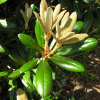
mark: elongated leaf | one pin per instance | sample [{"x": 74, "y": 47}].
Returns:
[
  {"x": 17, "y": 59},
  {"x": 12, "y": 89},
  {"x": 31, "y": 54},
  {"x": 27, "y": 82},
  {"x": 29, "y": 65},
  {"x": 95, "y": 23},
  {"x": 3, "y": 49},
  {"x": 77, "y": 8},
  {"x": 39, "y": 34},
  {"x": 14, "y": 74},
  {"x": 77, "y": 27},
  {"x": 21, "y": 50},
  {"x": 63, "y": 2},
  {"x": 68, "y": 64},
  {"x": 2, "y": 1},
  {"x": 29, "y": 42},
  {"x": 88, "y": 17},
  {"x": 77, "y": 48},
  {"x": 43, "y": 78}
]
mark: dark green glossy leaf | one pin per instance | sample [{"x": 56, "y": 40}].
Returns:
[
  {"x": 33, "y": 7},
  {"x": 2, "y": 1},
  {"x": 68, "y": 64},
  {"x": 78, "y": 27},
  {"x": 43, "y": 78},
  {"x": 21, "y": 50},
  {"x": 19, "y": 18},
  {"x": 29, "y": 42},
  {"x": 98, "y": 15},
  {"x": 17, "y": 59},
  {"x": 31, "y": 54},
  {"x": 27, "y": 82},
  {"x": 77, "y": 8},
  {"x": 8, "y": 30},
  {"x": 5, "y": 23},
  {"x": 12, "y": 89},
  {"x": 77, "y": 48},
  {"x": 14, "y": 74},
  {"x": 39, "y": 34},
  {"x": 10, "y": 39},
  {"x": 88, "y": 17},
  {"x": 63, "y": 2},
  {"x": 61, "y": 97},
  {"x": 28, "y": 66},
  {"x": 3, "y": 49},
  {"x": 95, "y": 23}
]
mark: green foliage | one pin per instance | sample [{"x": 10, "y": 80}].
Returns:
[
  {"x": 68, "y": 64},
  {"x": 35, "y": 70},
  {"x": 39, "y": 34},
  {"x": 2, "y": 1}
]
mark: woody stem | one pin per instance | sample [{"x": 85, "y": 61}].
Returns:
[{"x": 46, "y": 45}]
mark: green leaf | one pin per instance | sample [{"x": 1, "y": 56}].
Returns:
[
  {"x": 27, "y": 82},
  {"x": 78, "y": 27},
  {"x": 63, "y": 2},
  {"x": 77, "y": 48},
  {"x": 77, "y": 8},
  {"x": 21, "y": 50},
  {"x": 89, "y": 1},
  {"x": 5, "y": 73},
  {"x": 5, "y": 23},
  {"x": 95, "y": 24},
  {"x": 29, "y": 42},
  {"x": 8, "y": 30},
  {"x": 3, "y": 49},
  {"x": 88, "y": 17},
  {"x": 17, "y": 59},
  {"x": 68, "y": 64},
  {"x": 39, "y": 34},
  {"x": 10, "y": 39},
  {"x": 14, "y": 74},
  {"x": 98, "y": 16},
  {"x": 33, "y": 7},
  {"x": 12, "y": 89},
  {"x": 61, "y": 97},
  {"x": 19, "y": 18},
  {"x": 31, "y": 54},
  {"x": 28, "y": 66},
  {"x": 2, "y": 1},
  {"x": 86, "y": 1},
  {"x": 43, "y": 78}
]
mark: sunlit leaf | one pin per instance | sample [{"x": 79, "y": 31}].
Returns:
[
  {"x": 2, "y": 1},
  {"x": 39, "y": 34},
  {"x": 68, "y": 64},
  {"x": 26, "y": 80},
  {"x": 29, "y": 65},
  {"x": 29, "y": 42},
  {"x": 77, "y": 48},
  {"x": 43, "y": 78}
]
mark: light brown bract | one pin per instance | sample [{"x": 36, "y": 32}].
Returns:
[{"x": 26, "y": 15}]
